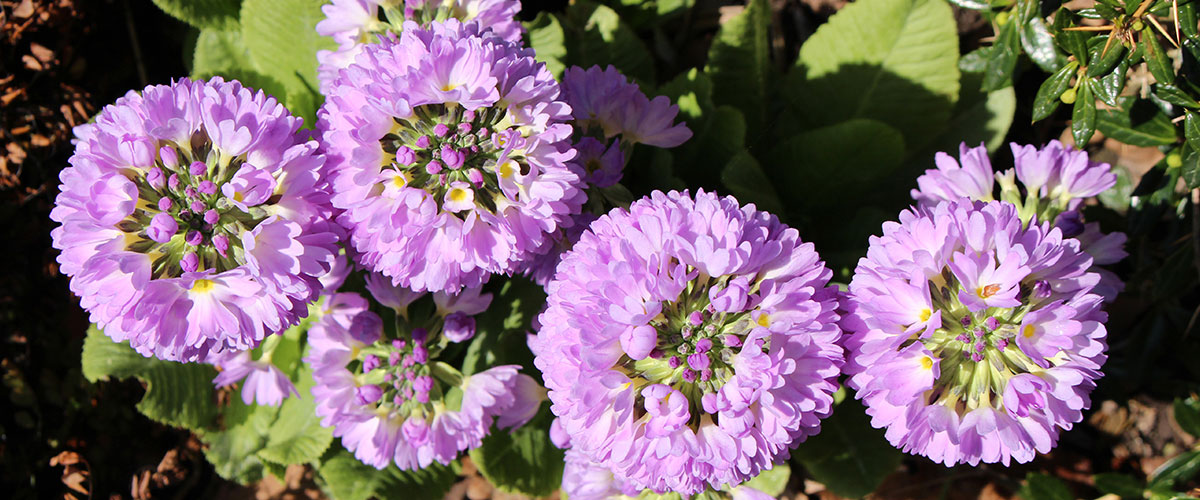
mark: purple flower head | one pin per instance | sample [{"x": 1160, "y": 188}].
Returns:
[
  {"x": 1016, "y": 362},
  {"x": 1054, "y": 182},
  {"x": 617, "y": 298},
  {"x": 180, "y": 301},
  {"x": 395, "y": 412},
  {"x": 264, "y": 383},
  {"x": 606, "y": 100},
  {"x": 459, "y": 327},
  {"x": 434, "y": 229},
  {"x": 354, "y": 24}
]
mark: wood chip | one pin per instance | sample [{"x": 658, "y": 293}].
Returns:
[
  {"x": 24, "y": 10},
  {"x": 42, "y": 53}
]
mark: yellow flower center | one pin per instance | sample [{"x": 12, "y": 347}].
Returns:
[
  {"x": 238, "y": 196},
  {"x": 925, "y": 314},
  {"x": 1027, "y": 331},
  {"x": 458, "y": 194},
  {"x": 449, "y": 86},
  {"x": 507, "y": 169},
  {"x": 987, "y": 291},
  {"x": 202, "y": 286},
  {"x": 400, "y": 180},
  {"x": 926, "y": 362},
  {"x": 764, "y": 320}
]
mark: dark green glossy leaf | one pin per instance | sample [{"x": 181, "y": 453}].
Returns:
[
  {"x": 1190, "y": 172},
  {"x": 1103, "y": 61},
  {"x": 1106, "y": 11},
  {"x": 1046, "y": 100},
  {"x": 829, "y": 163},
  {"x": 1074, "y": 42},
  {"x": 1109, "y": 87},
  {"x": 1175, "y": 95},
  {"x": 1187, "y": 415},
  {"x": 1083, "y": 115},
  {"x": 1039, "y": 44},
  {"x": 1188, "y": 21},
  {"x": 1191, "y": 130},
  {"x": 1003, "y": 59},
  {"x": 1121, "y": 485},
  {"x": 849, "y": 456},
  {"x": 1181, "y": 468},
  {"x": 975, "y": 61},
  {"x": 1137, "y": 123},
  {"x": 1043, "y": 487},
  {"x": 595, "y": 34},
  {"x": 1157, "y": 59}
]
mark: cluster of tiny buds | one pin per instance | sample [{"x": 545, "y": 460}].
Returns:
[{"x": 403, "y": 374}]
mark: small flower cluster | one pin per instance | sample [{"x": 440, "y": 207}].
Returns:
[
  {"x": 193, "y": 219},
  {"x": 447, "y": 153},
  {"x": 382, "y": 388},
  {"x": 973, "y": 337},
  {"x": 610, "y": 115},
  {"x": 1056, "y": 179},
  {"x": 688, "y": 334},
  {"x": 354, "y": 24}
]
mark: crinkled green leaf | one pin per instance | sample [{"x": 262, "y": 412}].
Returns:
[
  {"x": 524, "y": 460},
  {"x": 178, "y": 394},
  {"x": 830, "y": 163},
  {"x": 548, "y": 41},
  {"x": 204, "y": 14},
  {"x": 848, "y": 456},
  {"x": 222, "y": 53},
  {"x": 740, "y": 67},
  {"x": 894, "y": 61},
  {"x": 746, "y": 180},
  {"x": 233, "y": 450},
  {"x": 296, "y": 436},
  {"x": 281, "y": 38},
  {"x": 346, "y": 478},
  {"x": 500, "y": 330},
  {"x": 596, "y": 35},
  {"x": 772, "y": 481},
  {"x": 429, "y": 483}
]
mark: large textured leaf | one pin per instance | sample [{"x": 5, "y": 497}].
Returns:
[
  {"x": 739, "y": 65},
  {"x": 176, "y": 393},
  {"x": 222, "y": 53},
  {"x": 548, "y": 41},
  {"x": 718, "y": 132},
  {"x": 281, "y": 38},
  {"x": 103, "y": 358},
  {"x": 979, "y": 117},
  {"x": 523, "y": 461},
  {"x": 500, "y": 330},
  {"x": 849, "y": 456},
  {"x": 595, "y": 35},
  {"x": 204, "y": 14},
  {"x": 746, "y": 180},
  {"x": 346, "y": 478},
  {"x": 895, "y": 61},
  {"x": 772, "y": 481},
  {"x": 296, "y": 436},
  {"x": 831, "y": 163},
  {"x": 233, "y": 450}
]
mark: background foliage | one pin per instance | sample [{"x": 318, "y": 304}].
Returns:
[{"x": 821, "y": 112}]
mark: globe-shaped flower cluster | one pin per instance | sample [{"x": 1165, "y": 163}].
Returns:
[
  {"x": 194, "y": 219},
  {"x": 972, "y": 337},
  {"x": 689, "y": 342}
]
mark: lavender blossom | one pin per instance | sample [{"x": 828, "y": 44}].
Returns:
[
  {"x": 972, "y": 337},
  {"x": 193, "y": 219},
  {"x": 661, "y": 401}
]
